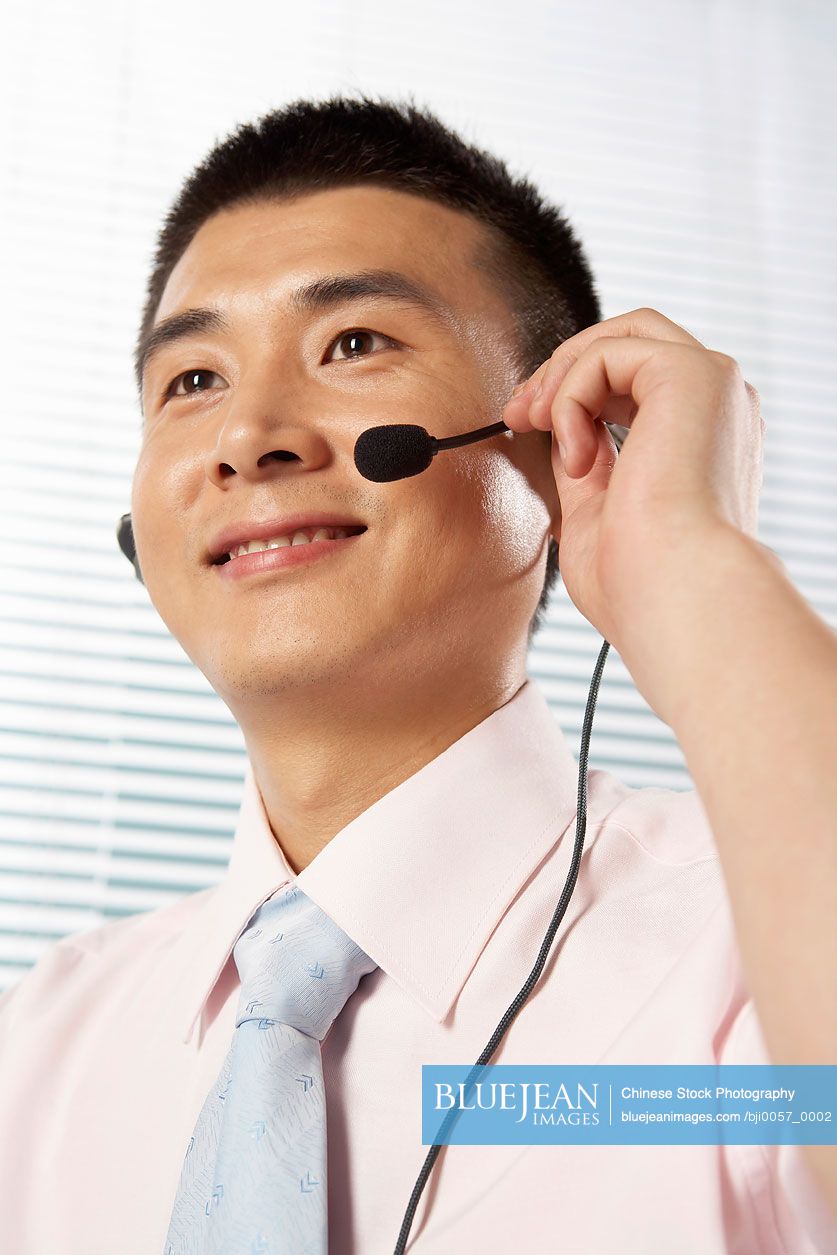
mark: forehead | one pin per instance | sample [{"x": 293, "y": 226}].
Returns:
[{"x": 266, "y": 248}]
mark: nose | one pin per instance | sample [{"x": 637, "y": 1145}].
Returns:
[{"x": 259, "y": 445}]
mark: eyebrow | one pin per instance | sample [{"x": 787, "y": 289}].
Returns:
[{"x": 322, "y": 294}]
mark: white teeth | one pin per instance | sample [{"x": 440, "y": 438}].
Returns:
[
  {"x": 256, "y": 546},
  {"x": 298, "y": 538}
]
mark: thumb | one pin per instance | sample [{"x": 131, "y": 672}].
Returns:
[
  {"x": 582, "y": 499},
  {"x": 576, "y": 490}
]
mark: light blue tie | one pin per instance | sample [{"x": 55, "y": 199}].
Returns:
[{"x": 254, "y": 1176}]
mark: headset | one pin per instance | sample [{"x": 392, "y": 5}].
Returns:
[{"x": 396, "y": 451}]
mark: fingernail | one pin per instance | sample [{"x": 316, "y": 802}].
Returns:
[
  {"x": 562, "y": 451},
  {"x": 519, "y": 388}
]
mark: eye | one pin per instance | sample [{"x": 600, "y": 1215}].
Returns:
[
  {"x": 188, "y": 377},
  {"x": 355, "y": 336}
]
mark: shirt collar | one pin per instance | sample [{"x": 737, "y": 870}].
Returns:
[{"x": 422, "y": 877}]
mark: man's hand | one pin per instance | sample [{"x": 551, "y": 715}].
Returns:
[{"x": 688, "y": 475}]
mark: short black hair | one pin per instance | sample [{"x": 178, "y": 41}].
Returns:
[{"x": 530, "y": 251}]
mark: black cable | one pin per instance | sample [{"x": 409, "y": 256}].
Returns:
[{"x": 531, "y": 980}]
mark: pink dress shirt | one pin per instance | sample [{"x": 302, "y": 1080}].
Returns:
[{"x": 110, "y": 1044}]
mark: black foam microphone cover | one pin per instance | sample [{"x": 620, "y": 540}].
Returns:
[{"x": 393, "y": 451}]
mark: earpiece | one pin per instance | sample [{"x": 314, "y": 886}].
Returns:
[{"x": 125, "y": 536}]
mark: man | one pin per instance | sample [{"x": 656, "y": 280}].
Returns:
[{"x": 362, "y": 266}]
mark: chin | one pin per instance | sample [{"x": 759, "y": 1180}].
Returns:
[{"x": 272, "y": 673}]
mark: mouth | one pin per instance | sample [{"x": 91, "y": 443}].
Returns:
[
  {"x": 301, "y": 537},
  {"x": 307, "y": 545}
]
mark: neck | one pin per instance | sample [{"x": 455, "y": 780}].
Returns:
[{"x": 319, "y": 764}]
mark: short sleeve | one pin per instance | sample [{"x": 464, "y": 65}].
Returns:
[{"x": 784, "y": 1193}]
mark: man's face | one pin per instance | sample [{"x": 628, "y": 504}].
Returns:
[{"x": 262, "y": 424}]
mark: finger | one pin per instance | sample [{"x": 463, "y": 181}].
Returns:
[
  {"x": 576, "y": 492},
  {"x": 644, "y": 323},
  {"x": 618, "y": 410},
  {"x": 516, "y": 414},
  {"x": 630, "y": 366},
  {"x": 525, "y": 390}
]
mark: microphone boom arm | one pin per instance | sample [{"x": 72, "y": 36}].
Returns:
[{"x": 453, "y": 442}]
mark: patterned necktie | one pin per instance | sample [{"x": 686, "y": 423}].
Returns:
[{"x": 254, "y": 1178}]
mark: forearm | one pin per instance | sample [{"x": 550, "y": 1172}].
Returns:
[
  {"x": 751, "y": 684},
  {"x": 745, "y": 673}
]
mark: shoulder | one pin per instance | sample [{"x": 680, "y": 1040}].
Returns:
[
  {"x": 85, "y": 955},
  {"x": 668, "y": 825},
  {"x": 158, "y": 926}
]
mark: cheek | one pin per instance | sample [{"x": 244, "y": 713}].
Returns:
[
  {"x": 477, "y": 530},
  {"x": 163, "y": 488},
  {"x": 507, "y": 517},
  {"x": 160, "y": 500}
]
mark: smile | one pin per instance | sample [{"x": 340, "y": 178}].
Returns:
[
  {"x": 277, "y": 553},
  {"x": 304, "y": 536}
]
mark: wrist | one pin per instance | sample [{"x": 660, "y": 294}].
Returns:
[{"x": 694, "y": 617}]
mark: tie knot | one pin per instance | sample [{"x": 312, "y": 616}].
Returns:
[{"x": 296, "y": 965}]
